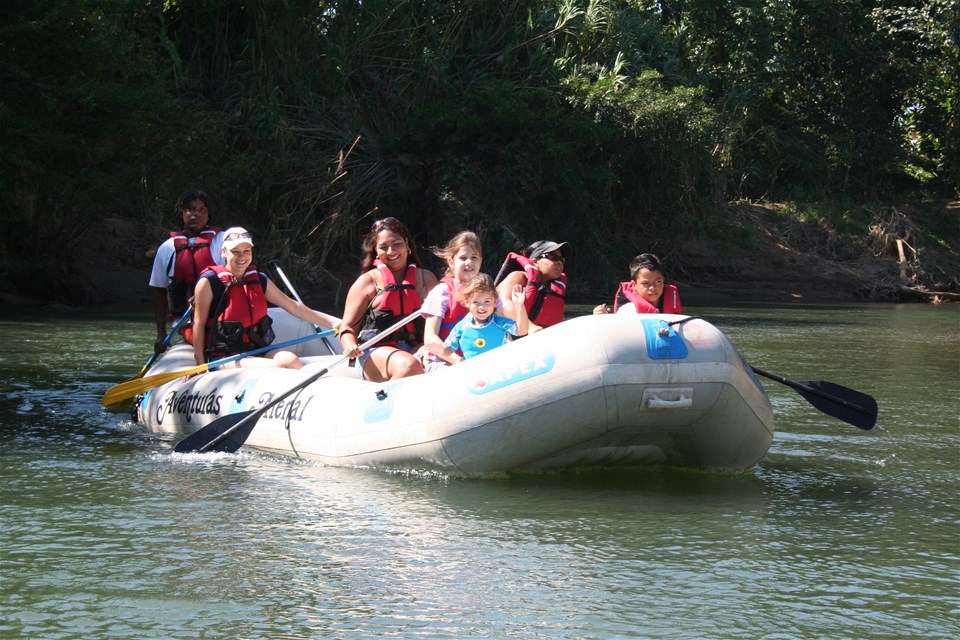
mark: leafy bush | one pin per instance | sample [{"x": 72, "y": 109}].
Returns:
[{"x": 623, "y": 125}]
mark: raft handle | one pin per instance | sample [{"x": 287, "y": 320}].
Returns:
[{"x": 666, "y": 399}]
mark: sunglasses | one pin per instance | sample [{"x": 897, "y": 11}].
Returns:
[
  {"x": 552, "y": 257},
  {"x": 384, "y": 222},
  {"x": 238, "y": 236}
]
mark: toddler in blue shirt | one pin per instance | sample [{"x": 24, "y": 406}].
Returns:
[{"x": 482, "y": 329}]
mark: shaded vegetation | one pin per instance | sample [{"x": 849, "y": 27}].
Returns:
[{"x": 620, "y": 125}]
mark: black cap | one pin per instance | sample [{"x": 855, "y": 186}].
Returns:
[{"x": 537, "y": 249}]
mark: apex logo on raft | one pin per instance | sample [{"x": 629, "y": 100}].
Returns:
[
  {"x": 189, "y": 404},
  {"x": 508, "y": 375}
]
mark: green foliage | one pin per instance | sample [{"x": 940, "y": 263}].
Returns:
[
  {"x": 811, "y": 95},
  {"x": 929, "y": 114},
  {"x": 512, "y": 164},
  {"x": 81, "y": 110},
  {"x": 662, "y": 135},
  {"x": 624, "y": 124},
  {"x": 733, "y": 238},
  {"x": 830, "y": 215},
  {"x": 92, "y": 127}
]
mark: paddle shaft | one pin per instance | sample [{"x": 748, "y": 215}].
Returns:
[
  {"x": 275, "y": 264},
  {"x": 166, "y": 341},
  {"x": 133, "y": 387},
  {"x": 255, "y": 415},
  {"x": 269, "y": 347}
]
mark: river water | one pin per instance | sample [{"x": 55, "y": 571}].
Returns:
[{"x": 838, "y": 532}]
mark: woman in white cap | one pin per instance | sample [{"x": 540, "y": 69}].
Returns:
[
  {"x": 230, "y": 301},
  {"x": 539, "y": 269}
]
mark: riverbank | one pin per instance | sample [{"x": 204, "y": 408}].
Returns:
[{"x": 764, "y": 254}]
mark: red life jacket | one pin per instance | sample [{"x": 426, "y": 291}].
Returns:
[
  {"x": 456, "y": 310},
  {"x": 238, "y": 320},
  {"x": 189, "y": 261},
  {"x": 544, "y": 301},
  {"x": 669, "y": 300},
  {"x": 393, "y": 302}
]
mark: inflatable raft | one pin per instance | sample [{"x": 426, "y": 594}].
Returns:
[{"x": 593, "y": 391}]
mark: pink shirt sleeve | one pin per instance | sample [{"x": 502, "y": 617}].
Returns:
[{"x": 437, "y": 302}]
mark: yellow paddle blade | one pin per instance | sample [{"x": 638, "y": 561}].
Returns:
[
  {"x": 143, "y": 371},
  {"x": 137, "y": 386}
]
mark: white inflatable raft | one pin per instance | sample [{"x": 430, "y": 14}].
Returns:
[{"x": 593, "y": 391}]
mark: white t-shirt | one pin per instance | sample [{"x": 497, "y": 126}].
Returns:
[
  {"x": 162, "y": 273},
  {"x": 627, "y": 307}
]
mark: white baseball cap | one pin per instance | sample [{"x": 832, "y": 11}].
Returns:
[{"x": 235, "y": 236}]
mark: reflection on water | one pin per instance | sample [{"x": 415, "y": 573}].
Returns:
[{"x": 838, "y": 533}]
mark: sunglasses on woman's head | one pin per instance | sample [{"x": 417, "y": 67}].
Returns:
[
  {"x": 384, "y": 222},
  {"x": 238, "y": 236}
]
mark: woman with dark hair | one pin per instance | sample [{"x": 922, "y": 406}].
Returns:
[
  {"x": 181, "y": 258},
  {"x": 391, "y": 286}
]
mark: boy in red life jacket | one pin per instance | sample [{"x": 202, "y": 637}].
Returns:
[
  {"x": 180, "y": 260},
  {"x": 646, "y": 292}
]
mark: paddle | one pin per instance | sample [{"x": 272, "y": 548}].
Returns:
[
  {"x": 853, "y": 407},
  {"x": 848, "y": 405},
  {"x": 228, "y": 433},
  {"x": 137, "y": 386},
  {"x": 166, "y": 342},
  {"x": 275, "y": 265}
]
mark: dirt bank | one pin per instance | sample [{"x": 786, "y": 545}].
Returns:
[{"x": 880, "y": 253}]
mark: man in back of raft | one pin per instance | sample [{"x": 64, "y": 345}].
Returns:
[{"x": 180, "y": 260}]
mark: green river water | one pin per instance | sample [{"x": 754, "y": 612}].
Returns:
[{"x": 837, "y": 533}]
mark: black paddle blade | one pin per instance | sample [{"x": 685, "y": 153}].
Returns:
[
  {"x": 853, "y": 407},
  {"x": 213, "y": 433}
]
